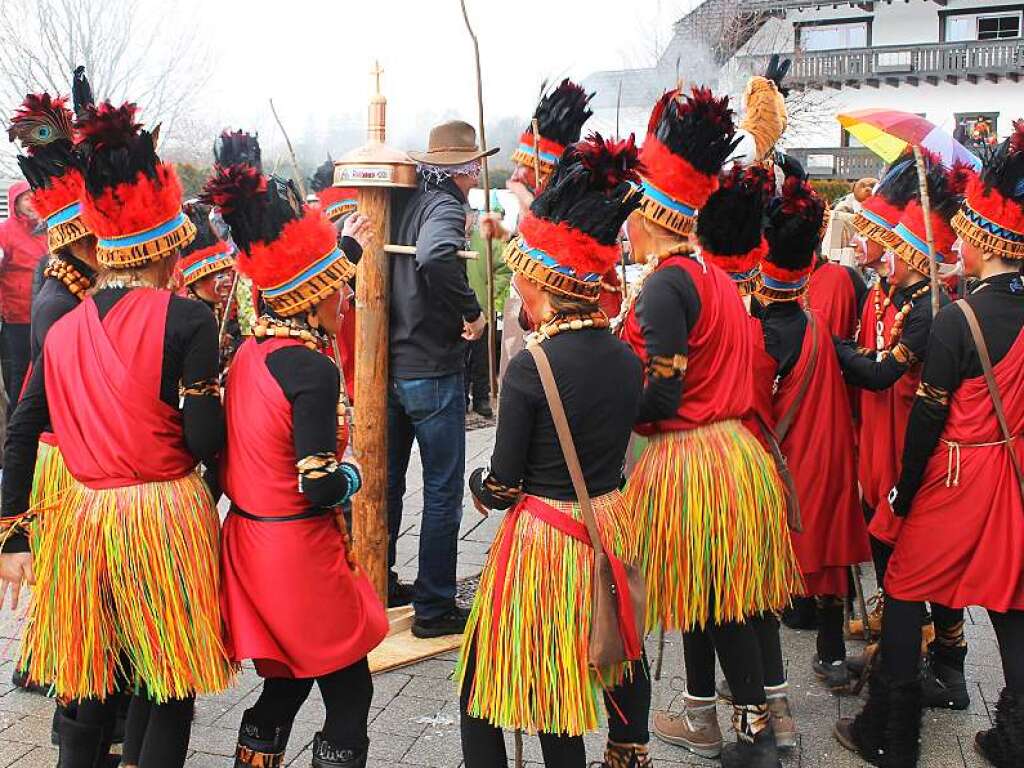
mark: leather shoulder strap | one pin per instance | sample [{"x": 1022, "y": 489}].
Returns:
[
  {"x": 786, "y": 421},
  {"x": 572, "y": 461},
  {"x": 993, "y": 388}
]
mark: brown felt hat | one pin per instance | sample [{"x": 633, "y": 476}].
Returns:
[{"x": 452, "y": 143}]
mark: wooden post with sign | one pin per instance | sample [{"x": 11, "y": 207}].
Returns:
[{"x": 375, "y": 169}]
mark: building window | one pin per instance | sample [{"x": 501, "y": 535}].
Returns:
[
  {"x": 963, "y": 28},
  {"x": 831, "y": 37},
  {"x": 977, "y": 131},
  {"x": 999, "y": 27}
]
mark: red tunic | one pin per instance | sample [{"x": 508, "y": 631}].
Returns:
[
  {"x": 830, "y": 293},
  {"x": 818, "y": 448},
  {"x": 118, "y": 360},
  {"x": 347, "y": 350},
  {"x": 963, "y": 541},
  {"x": 719, "y": 382},
  {"x": 289, "y": 599},
  {"x": 883, "y": 424}
]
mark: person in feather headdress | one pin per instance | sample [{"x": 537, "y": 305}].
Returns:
[
  {"x": 812, "y": 421},
  {"x": 524, "y": 662},
  {"x": 704, "y": 484},
  {"x": 960, "y": 489},
  {"x": 887, "y": 366},
  {"x": 560, "y": 115},
  {"x": 128, "y": 381},
  {"x": 292, "y": 598}
]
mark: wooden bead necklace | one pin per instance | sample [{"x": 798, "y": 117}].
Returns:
[
  {"x": 574, "y": 322},
  {"x": 898, "y": 321},
  {"x": 69, "y": 275},
  {"x": 276, "y": 327}
]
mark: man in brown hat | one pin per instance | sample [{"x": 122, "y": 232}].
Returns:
[{"x": 434, "y": 313}]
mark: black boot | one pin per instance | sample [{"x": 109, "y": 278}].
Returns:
[
  {"x": 865, "y": 733},
  {"x": 1003, "y": 746},
  {"x": 326, "y": 755},
  {"x": 260, "y": 746},
  {"x": 80, "y": 745},
  {"x": 802, "y": 614},
  {"x": 755, "y": 745},
  {"x": 943, "y": 684}
]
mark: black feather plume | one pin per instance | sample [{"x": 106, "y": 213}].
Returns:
[
  {"x": 81, "y": 92},
  {"x": 238, "y": 148},
  {"x": 562, "y": 112},
  {"x": 323, "y": 176}
]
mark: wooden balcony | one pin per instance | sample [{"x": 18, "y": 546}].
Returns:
[
  {"x": 848, "y": 163},
  {"x": 925, "y": 63}
]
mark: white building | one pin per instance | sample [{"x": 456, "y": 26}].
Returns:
[{"x": 956, "y": 62}]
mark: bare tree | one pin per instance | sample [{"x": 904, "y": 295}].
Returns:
[{"x": 132, "y": 50}]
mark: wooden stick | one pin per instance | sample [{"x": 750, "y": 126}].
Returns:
[
  {"x": 299, "y": 181},
  {"x": 227, "y": 309},
  {"x": 862, "y": 605},
  {"x": 536, "y": 154},
  {"x": 410, "y": 250},
  {"x": 926, "y": 208},
  {"x": 488, "y": 246}
]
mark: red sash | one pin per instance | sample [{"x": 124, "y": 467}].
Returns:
[
  {"x": 819, "y": 449},
  {"x": 576, "y": 530},
  {"x": 103, "y": 391},
  {"x": 719, "y": 380},
  {"x": 830, "y": 293}
]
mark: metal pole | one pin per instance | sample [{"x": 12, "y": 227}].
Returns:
[{"x": 488, "y": 247}]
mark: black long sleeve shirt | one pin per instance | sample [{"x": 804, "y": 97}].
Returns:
[
  {"x": 190, "y": 356},
  {"x": 311, "y": 382},
  {"x": 599, "y": 380},
  {"x": 667, "y": 309},
  {"x": 863, "y": 370},
  {"x": 952, "y": 357},
  {"x": 783, "y": 324}
]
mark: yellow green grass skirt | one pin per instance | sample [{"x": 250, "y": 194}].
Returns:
[
  {"x": 127, "y": 583},
  {"x": 711, "y": 524},
  {"x": 531, "y": 644}
]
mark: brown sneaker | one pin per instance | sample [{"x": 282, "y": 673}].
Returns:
[
  {"x": 875, "y": 605},
  {"x": 695, "y": 728},
  {"x": 782, "y": 721}
]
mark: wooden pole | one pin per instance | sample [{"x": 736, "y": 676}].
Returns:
[
  {"x": 299, "y": 181},
  {"x": 488, "y": 246},
  {"x": 370, "y": 445},
  {"x": 926, "y": 208}
]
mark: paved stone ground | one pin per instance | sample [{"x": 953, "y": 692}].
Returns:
[{"x": 414, "y": 718}]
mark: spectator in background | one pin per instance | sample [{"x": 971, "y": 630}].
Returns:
[
  {"x": 478, "y": 382},
  {"x": 433, "y": 314},
  {"x": 23, "y": 242},
  {"x": 837, "y": 244}
]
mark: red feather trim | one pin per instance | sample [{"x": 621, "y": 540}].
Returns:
[
  {"x": 302, "y": 243},
  {"x": 544, "y": 145},
  {"x": 62, "y": 192},
  {"x": 942, "y": 232},
  {"x": 659, "y": 109},
  {"x": 134, "y": 207},
  {"x": 196, "y": 256},
  {"x": 231, "y": 184},
  {"x": 785, "y": 275},
  {"x": 332, "y": 195},
  {"x": 994, "y": 207},
  {"x": 109, "y": 127},
  {"x": 800, "y": 199},
  {"x": 569, "y": 247},
  {"x": 610, "y": 162},
  {"x": 882, "y": 208},
  {"x": 675, "y": 176},
  {"x": 738, "y": 262}
]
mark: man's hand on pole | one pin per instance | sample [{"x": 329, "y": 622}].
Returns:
[{"x": 471, "y": 331}]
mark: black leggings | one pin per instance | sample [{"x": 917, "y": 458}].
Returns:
[
  {"x": 901, "y": 640},
  {"x": 740, "y": 648},
  {"x": 628, "y": 705},
  {"x": 160, "y": 736},
  {"x": 880, "y": 551},
  {"x": 347, "y": 695}
]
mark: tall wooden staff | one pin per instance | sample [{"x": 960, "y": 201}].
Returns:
[
  {"x": 488, "y": 248},
  {"x": 926, "y": 208}
]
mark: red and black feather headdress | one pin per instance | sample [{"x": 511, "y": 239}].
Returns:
[
  {"x": 730, "y": 225},
  {"x": 793, "y": 232}
]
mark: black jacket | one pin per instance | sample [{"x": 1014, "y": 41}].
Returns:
[{"x": 430, "y": 295}]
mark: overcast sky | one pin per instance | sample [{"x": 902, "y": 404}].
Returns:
[{"x": 313, "y": 56}]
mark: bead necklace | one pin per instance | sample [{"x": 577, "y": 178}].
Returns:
[
  {"x": 69, "y": 275},
  {"x": 901, "y": 317},
  {"x": 562, "y": 323},
  {"x": 631, "y": 292},
  {"x": 281, "y": 328},
  {"x": 880, "y": 308}
]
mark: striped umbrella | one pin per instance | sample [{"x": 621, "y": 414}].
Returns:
[{"x": 889, "y": 132}]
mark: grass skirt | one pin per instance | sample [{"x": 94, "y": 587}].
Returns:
[
  {"x": 532, "y": 671},
  {"x": 711, "y": 521},
  {"x": 127, "y": 576},
  {"x": 50, "y": 481}
]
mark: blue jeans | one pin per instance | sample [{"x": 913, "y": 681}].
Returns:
[{"x": 433, "y": 411}]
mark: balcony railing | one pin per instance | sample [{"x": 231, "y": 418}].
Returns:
[
  {"x": 896, "y": 64},
  {"x": 838, "y": 162}
]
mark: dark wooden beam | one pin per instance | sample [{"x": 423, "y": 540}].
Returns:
[
  {"x": 893, "y": 81},
  {"x": 913, "y": 80},
  {"x": 972, "y": 79},
  {"x": 932, "y": 80},
  {"x": 992, "y": 77},
  {"x": 952, "y": 79},
  {"x": 872, "y": 81},
  {"x": 1014, "y": 77},
  {"x": 855, "y": 84},
  {"x": 834, "y": 84}
]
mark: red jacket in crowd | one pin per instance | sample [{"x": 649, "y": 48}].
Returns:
[{"x": 22, "y": 250}]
